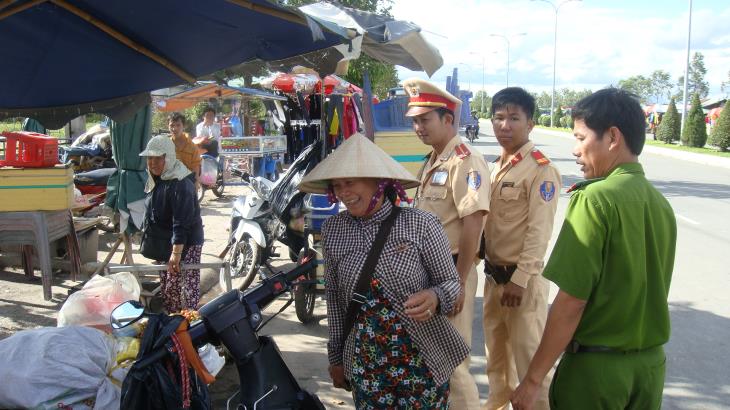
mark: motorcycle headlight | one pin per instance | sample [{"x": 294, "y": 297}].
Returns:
[{"x": 264, "y": 190}]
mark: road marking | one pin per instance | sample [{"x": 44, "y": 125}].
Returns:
[{"x": 684, "y": 218}]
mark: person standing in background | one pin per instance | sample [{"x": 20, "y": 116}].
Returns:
[
  {"x": 208, "y": 133},
  {"x": 452, "y": 189},
  {"x": 525, "y": 187},
  {"x": 185, "y": 151},
  {"x": 613, "y": 263}
]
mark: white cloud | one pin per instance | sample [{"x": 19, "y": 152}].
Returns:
[{"x": 597, "y": 46}]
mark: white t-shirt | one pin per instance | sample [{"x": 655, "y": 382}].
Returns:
[{"x": 213, "y": 130}]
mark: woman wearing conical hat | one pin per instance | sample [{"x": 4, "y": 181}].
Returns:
[{"x": 400, "y": 350}]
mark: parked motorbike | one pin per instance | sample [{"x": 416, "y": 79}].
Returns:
[
  {"x": 211, "y": 176},
  {"x": 234, "y": 319},
  {"x": 263, "y": 217},
  {"x": 472, "y": 130}
]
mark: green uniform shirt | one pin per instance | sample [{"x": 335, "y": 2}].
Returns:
[{"x": 616, "y": 251}]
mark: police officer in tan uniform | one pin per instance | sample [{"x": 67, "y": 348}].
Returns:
[
  {"x": 453, "y": 187},
  {"x": 525, "y": 187}
]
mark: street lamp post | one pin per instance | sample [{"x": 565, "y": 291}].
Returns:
[
  {"x": 555, "y": 51},
  {"x": 506, "y": 39},
  {"x": 686, "y": 67}
]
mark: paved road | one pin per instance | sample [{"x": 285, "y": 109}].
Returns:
[{"x": 698, "y": 364}]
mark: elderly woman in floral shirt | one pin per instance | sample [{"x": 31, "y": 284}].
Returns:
[{"x": 401, "y": 350}]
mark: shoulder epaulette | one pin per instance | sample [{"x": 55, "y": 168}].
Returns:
[
  {"x": 516, "y": 159},
  {"x": 462, "y": 151},
  {"x": 539, "y": 157},
  {"x": 582, "y": 184}
]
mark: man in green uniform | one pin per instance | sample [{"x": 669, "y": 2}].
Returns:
[{"x": 613, "y": 263}]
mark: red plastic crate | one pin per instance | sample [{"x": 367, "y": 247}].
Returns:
[{"x": 27, "y": 149}]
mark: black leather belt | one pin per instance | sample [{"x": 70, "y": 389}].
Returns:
[
  {"x": 575, "y": 347},
  {"x": 500, "y": 273}
]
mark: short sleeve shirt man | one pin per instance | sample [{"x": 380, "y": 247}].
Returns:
[
  {"x": 525, "y": 189},
  {"x": 454, "y": 185},
  {"x": 616, "y": 251},
  {"x": 187, "y": 153},
  {"x": 209, "y": 131}
]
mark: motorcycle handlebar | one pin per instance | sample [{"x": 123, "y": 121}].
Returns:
[
  {"x": 275, "y": 285},
  {"x": 260, "y": 296}
]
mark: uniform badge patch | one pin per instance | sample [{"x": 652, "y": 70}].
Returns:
[
  {"x": 547, "y": 190},
  {"x": 474, "y": 180},
  {"x": 439, "y": 178}
]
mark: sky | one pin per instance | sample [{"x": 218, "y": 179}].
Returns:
[{"x": 599, "y": 42}]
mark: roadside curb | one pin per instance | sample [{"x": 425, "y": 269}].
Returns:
[{"x": 703, "y": 159}]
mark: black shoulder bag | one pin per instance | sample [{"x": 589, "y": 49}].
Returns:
[
  {"x": 363, "y": 282},
  {"x": 156, "y": 241}
]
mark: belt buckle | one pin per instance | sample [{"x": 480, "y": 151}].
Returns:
[{"x": 358, "y": 298}]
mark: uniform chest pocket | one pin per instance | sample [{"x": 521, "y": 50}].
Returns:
[
  {"x": 509, "y": 193},
  {"x": 511, "y": 207},
  {"x": 435, "y": 192}
]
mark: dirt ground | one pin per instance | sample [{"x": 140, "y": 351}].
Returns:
[{"x": 303, "y": 346}]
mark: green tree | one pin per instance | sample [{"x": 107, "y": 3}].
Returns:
[
  {"x": 696, "y": 83},
  {"x": 670, "y": 126},
  {"x": 542, "y": 100},
  {"x": 536, "y": 115},
  {"x": 638, "y": 85},
  {"x": 545, "y": 120},
  {"x": 569, "y": 97},
  {"x": 661, "y": 85},
  {"x": 694, "y": 133},
  {"x": 482, "y": 106},
  {"x": 557, "y": 115},
  {"x": 721, "y": 132},
  {"x": 382, "y": 76}
]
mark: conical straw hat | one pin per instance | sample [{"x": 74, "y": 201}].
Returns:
[{"x": 357, "y": 157}]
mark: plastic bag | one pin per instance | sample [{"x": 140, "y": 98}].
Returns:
[
  {"x": 125, "y": 348},
  {"x": 150, "y": 385},
  {"x": 208, "y": 171},
  {"x": 213, "y": 360},
  {"x": 93, "y": 304},
  {"x": 51, "y": 368}
]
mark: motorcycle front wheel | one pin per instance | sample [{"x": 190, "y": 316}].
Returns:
[
  {"x": 243, "y": 258},
  {"x": 305, "y": 294},
  {"x": 219, "y": 187}
]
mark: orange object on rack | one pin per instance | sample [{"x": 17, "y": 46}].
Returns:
[{"x": 27, "y": 149}]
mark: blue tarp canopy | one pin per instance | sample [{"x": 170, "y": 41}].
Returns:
[{"x": 62, "y": 57}]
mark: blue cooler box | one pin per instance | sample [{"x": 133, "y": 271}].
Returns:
[{"x": 320, "y": 209}]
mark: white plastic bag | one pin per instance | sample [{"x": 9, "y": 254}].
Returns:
[
  {"x": 51, "y": 368},
  {"x": 208, "y": 171},
  {"x": 212, "y": 360},
  {"x": 92, "y": 305}
]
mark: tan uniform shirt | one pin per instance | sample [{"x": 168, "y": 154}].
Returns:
[
  {"x": 454, "y": 185},
  {"x": 525, "y": 191}
]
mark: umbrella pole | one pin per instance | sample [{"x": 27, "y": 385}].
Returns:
[{"x": 322, "y": 122}]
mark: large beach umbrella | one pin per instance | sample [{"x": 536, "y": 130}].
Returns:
[
  {"x": 384, "y": 38},
  {"x": 63, "y": 58}
]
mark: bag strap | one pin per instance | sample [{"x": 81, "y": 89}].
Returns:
[{"x": 366, "y": 274}]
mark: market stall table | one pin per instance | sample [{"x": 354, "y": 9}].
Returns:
[{"x": 39, "y": 229}]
